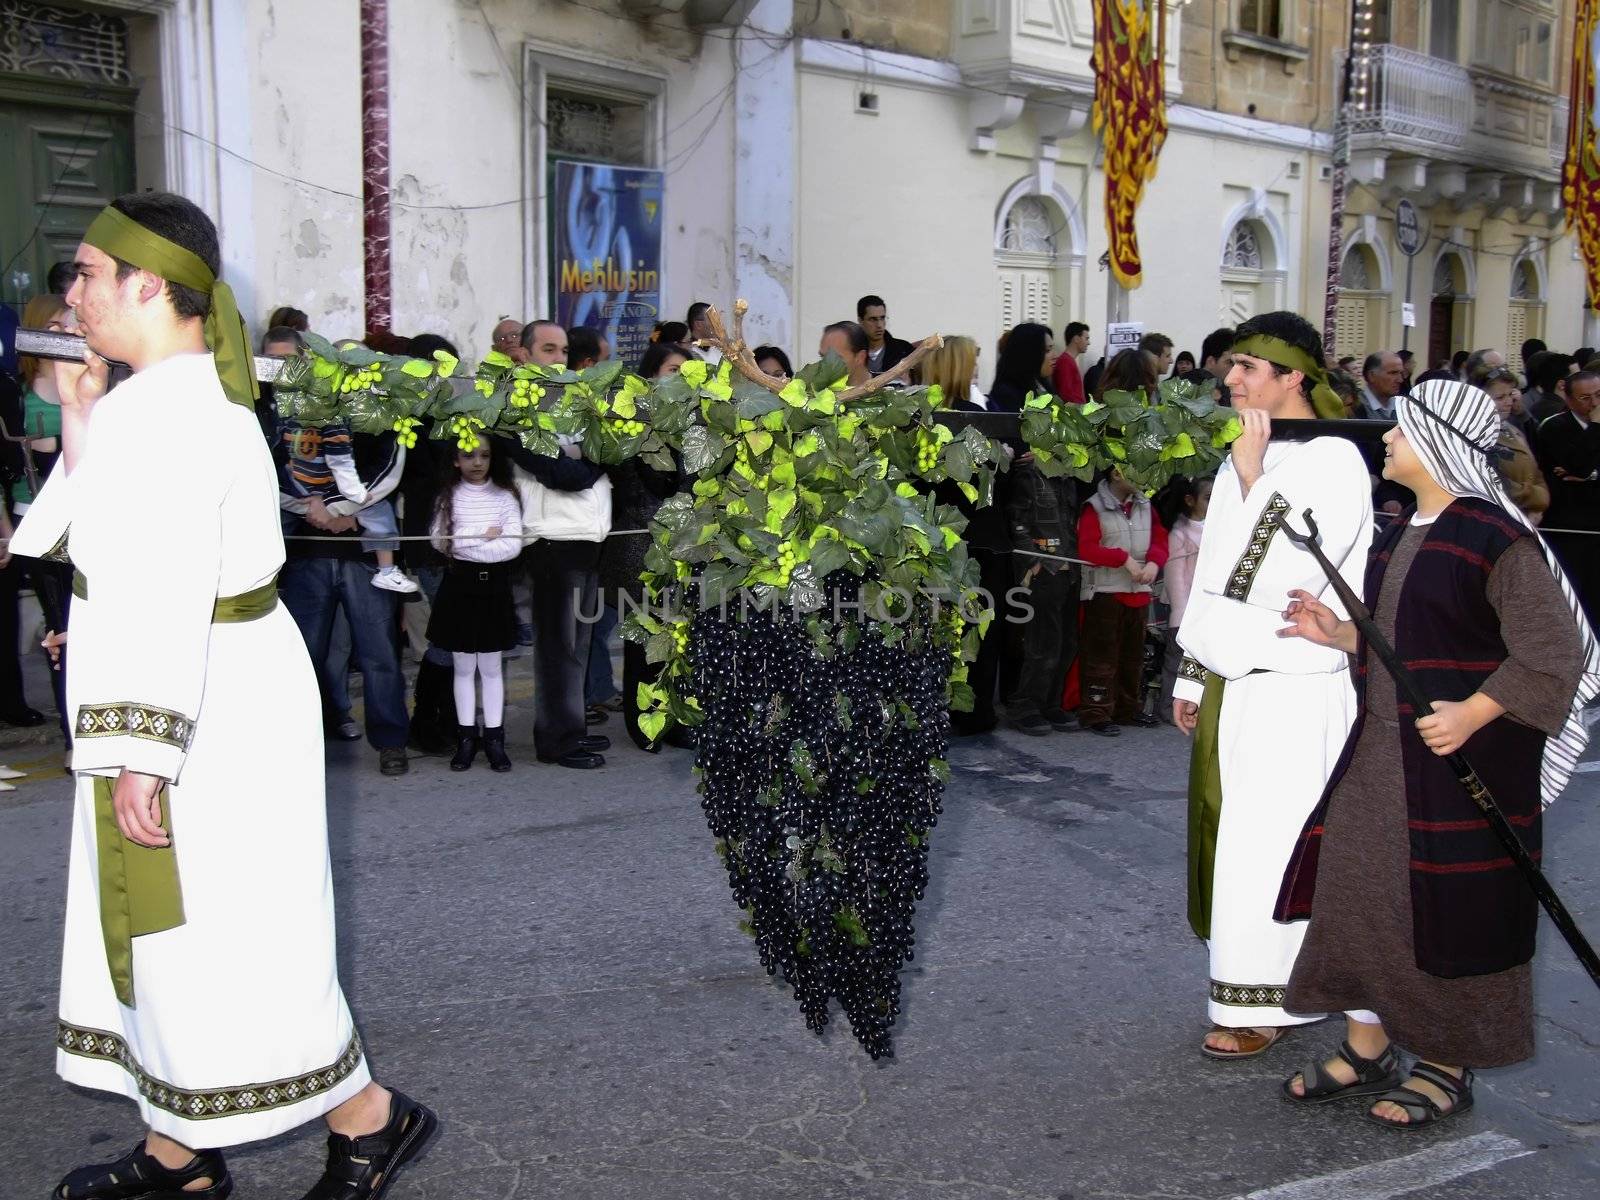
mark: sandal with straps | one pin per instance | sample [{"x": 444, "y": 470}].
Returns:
[
  {"x": 1251, "y": 1042},
  {"x": 138, "y": 1176},
  {"x": 1423, "y": 1109},
  {"x": 362, "y": 1168},
  {"x": 1373, "y": 1075}
]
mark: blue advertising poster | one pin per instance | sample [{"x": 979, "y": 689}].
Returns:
[{"x": 607, "y": 235}]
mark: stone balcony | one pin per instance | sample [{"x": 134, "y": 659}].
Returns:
[
  {"x": 1435, "y": 130},
  {"x": 1034, "y": 57}
]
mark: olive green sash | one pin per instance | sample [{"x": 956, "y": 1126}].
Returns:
[
  {"x": 139, "y": 891},
  {"x": 228, "y": 610},
  {"x": 1205, "y": 805}
]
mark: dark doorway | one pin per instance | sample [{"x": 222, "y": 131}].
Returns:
[{"x": 1441, "y": 330}]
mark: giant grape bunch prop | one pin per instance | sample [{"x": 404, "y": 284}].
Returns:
[
  {"x": 822, "y": 726},
  {"x": 821, "y": 765}
]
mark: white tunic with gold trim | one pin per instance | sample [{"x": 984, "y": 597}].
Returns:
[
  {"x": 1287, "y": 706},
  {"x": 239, "y": 1029}
]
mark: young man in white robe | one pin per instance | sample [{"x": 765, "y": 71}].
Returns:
[
  {"x": 1269, "y": 716},
  {"x": 198, "y": 974}
]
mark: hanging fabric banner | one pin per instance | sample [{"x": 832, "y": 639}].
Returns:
[
  {"x": 1580, "y": 180},
  {"x": 1130, "y": 112}
]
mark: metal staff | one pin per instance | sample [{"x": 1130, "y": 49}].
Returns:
[
  {"x": 44, "y": 581},
  {"x": 1480, "y": 794}
]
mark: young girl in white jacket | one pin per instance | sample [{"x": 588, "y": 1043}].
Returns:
[{"x": 477, "y": 525}]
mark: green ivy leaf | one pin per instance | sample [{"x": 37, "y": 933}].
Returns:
[
  {"x": 651, "y": 724},
  {"x": 701, "y": 448}
]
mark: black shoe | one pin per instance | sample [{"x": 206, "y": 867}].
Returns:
[
  {"x": 137, "y": 1176},
  {"x": 494, "y": 749},
  {"x": 1146, "y": 721},
  {"x": 23, "y": 718},
  {"x": 1033, "y": 725},
  {"x": 362, "y": 1168},
  {"x": 595, "y": 742},
  {"x": 578, "y": 760},
  {"x": 595, "y": 714},
  {"x": 392, "y": 761},
  {"x": 1104, "y": 729},
  {"x": 466, "y": 748},
  {"x": 1061, "y": 720}
]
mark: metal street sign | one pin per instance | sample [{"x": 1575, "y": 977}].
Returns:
[
  {"x": 1407, "y": 229},
  {"x": 1123, "y": 335}
]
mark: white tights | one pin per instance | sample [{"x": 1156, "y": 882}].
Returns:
[{"x": 486, "y": 667}]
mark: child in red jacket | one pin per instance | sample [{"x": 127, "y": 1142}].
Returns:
[{"x": 1121, "y": 536}]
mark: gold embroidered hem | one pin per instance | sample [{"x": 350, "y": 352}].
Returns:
[
  {"x": 1190, "y": 669},
  {"x": 204, "y": 1104},
  {"x": 1248, "y": 995},
  {"x": 135, "y": 720},
  {"x": 1244, "y": 571}
]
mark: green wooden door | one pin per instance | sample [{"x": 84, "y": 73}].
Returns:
[{"x": 68, "y": 161}]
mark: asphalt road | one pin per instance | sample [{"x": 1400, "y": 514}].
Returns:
[{"x": 551, "y": 959}]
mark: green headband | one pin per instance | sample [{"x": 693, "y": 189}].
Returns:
[
  {"x": 120, "y": 236},
  {"x": 1324, "y": 400}
]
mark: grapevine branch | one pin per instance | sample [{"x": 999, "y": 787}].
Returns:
[
  {"x": 878, "y": 382},
  {"x": 737, "y": 351}
]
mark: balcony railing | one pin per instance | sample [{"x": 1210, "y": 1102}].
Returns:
[{"x": 1399, "y": 94}]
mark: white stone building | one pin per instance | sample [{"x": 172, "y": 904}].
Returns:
[{"x": 960, "y": 181}]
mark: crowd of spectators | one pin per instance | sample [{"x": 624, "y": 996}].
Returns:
[{"x": 1087, "y": 580}]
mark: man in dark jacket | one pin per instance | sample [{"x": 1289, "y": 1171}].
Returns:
[
  {"x": 884, "y": 350},
  {"x": 1569, "y": 451},
  {"x": 322, "y": 576},
  {"x": 1043, "y": 515}
]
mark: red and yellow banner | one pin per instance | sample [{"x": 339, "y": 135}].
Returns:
[
  {"x": 1130, "y": 111},
  {"x": 1580, "y": 181}
]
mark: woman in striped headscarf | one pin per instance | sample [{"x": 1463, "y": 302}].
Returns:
[{"x": 1424, "y": 929}]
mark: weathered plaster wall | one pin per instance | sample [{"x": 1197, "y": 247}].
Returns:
[
  {"x": 913, "y": 26},
  {"x": 457, "y": 132}
]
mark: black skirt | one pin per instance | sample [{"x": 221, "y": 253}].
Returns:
[{"x": 473, "y": 612}]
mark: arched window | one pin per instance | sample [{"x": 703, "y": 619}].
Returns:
[
  {"x": 1524, "y": 281},
  {"x": 1450, "y": 308},
  {"x": 1038, "y": 259},
  {"x": 1243, "y": 252},
  {"x": 1028, "y": 228},
  {"x": 1251, "y": 280},
  {"x": 1356, "y": 273},
  {"x": 1444, "y": 279},
  {"x": 1524, "y": 307},
  {"x": 1361, "y": 318}
]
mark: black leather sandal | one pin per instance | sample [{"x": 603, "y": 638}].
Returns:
[
  {"x": 1423, "y": 1109},
  {"x": 1373, "y": 1075},
  {"x": 137, "y": 1176},
  {"x": 362, "y": 1168}
]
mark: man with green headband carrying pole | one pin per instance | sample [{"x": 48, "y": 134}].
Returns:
[
  {"x": 1269, "y": 716},
  {"x": 198, "y": 974}
]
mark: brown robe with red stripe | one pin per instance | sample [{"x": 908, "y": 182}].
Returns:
[{"x": 1419, "y": 914}]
